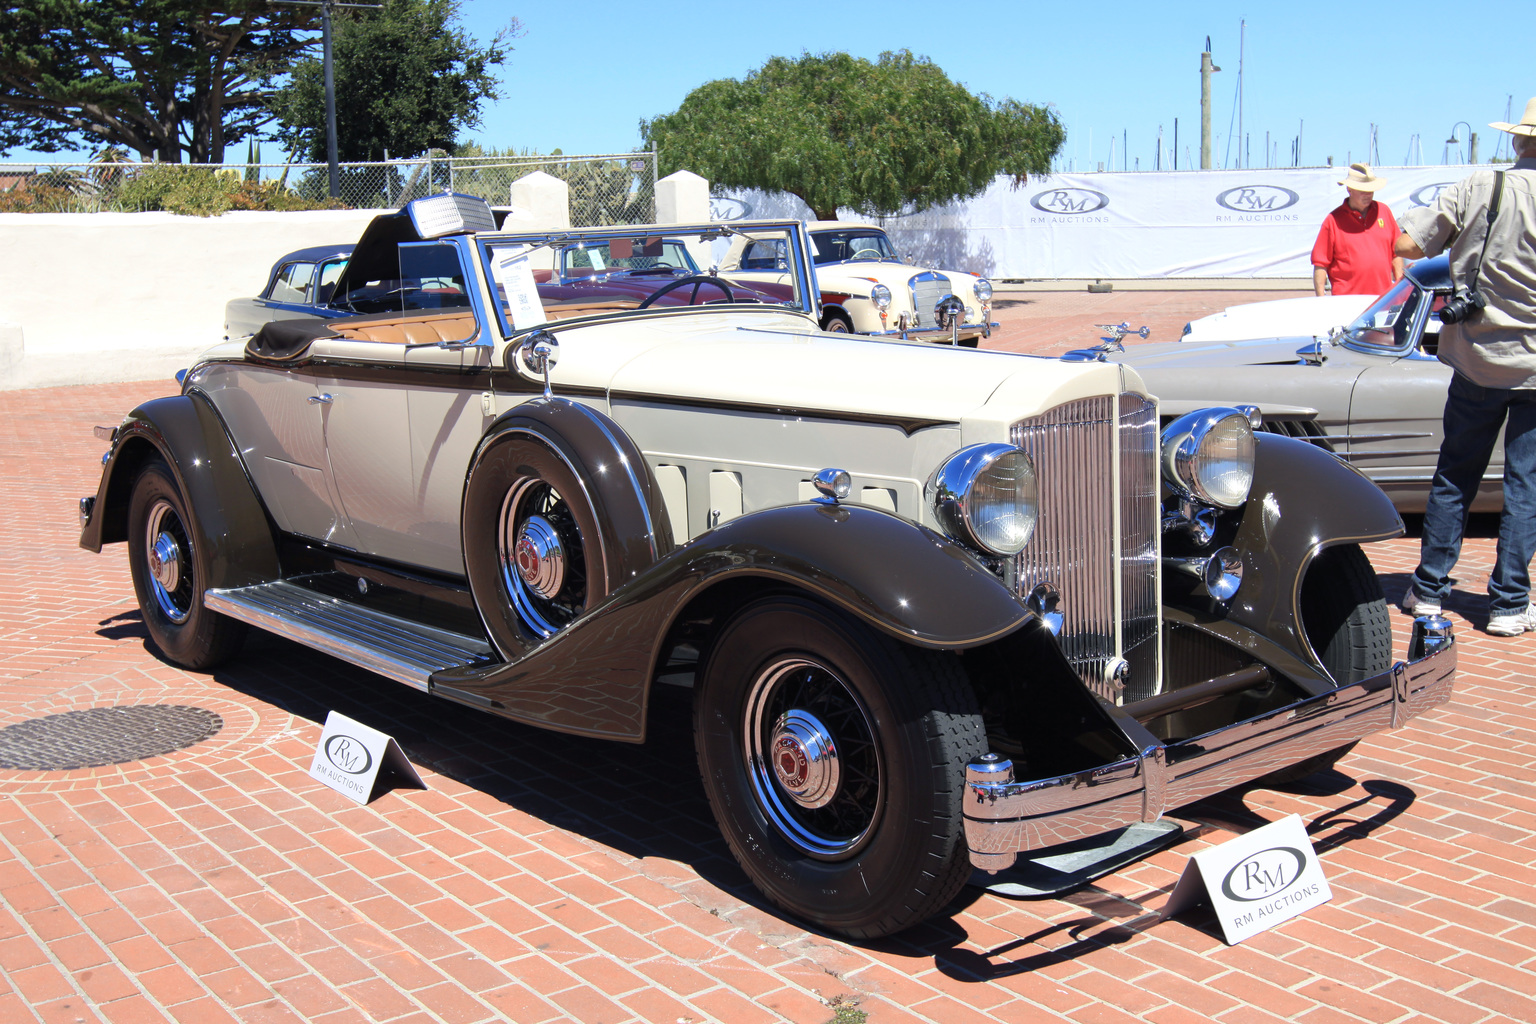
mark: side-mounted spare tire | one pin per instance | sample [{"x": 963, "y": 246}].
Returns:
[{"x": 560, "y": 509}]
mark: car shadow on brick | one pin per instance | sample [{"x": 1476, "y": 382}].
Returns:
[{"x": 643, "y": 800}]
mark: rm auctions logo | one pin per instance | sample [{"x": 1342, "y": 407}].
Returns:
[
  {"x": 1264, "y": 874},
  {"x": 1257, "y": 199},
  {"x": 721, "y": 208},
  {"x": 1427, "y": 194},
  {"x": 1069, "y": 201},
  {"x": 347, "y": 754}
]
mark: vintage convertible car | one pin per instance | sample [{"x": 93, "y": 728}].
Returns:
[
  {"x": 939, "y": 607},
  {"x": 1372, "y": 393},
  {"x": 868, "y": 289}
]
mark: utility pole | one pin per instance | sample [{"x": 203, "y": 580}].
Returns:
[
  {"x": 332, "y": 164},
  {"x": 1206, "y": 67}
]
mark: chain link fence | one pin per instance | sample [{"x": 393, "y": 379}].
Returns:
[{"x": 614, "y": 188}]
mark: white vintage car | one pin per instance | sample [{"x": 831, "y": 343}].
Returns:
[
  {"x": 866, "y": 288},
  {"x": 940, "y": 608}
]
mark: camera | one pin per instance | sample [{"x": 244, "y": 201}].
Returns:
[{"x": 1462, "y": 306}]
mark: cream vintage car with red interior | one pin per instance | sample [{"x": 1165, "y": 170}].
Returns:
[{"x": 940, "y": 608}]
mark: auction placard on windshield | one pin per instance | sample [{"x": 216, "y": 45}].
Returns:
[
  {"x": 514, "y": 275},
  {"x": 1255, "y": 881}
]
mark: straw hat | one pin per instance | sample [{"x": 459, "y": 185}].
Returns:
[
  {"x": 1361, "y": 179},
  {"x": 1527, "y": 125}
]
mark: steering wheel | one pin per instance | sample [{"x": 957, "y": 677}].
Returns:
[
  {"x": 697, "y": 280},
  {"x": 873, "y": 252}
]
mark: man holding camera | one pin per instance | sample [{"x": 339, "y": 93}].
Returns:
[{"x": 1488, "y": 223}]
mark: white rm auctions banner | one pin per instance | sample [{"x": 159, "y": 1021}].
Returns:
[{"x": 1152, "y": 224}]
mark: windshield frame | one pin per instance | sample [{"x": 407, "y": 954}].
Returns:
[
  {"x": 545, "y": 249},
  {"x": 1410, "y": 297}
]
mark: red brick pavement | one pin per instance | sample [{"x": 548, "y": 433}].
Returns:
[{"x": 543, "y": 878}]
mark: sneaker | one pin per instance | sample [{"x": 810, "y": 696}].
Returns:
[
  {"x": 1415, "y": 605},
  {"x": 1513, "y": 624}
]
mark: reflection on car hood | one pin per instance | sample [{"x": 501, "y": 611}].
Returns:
[{"x": 802, "y": 369}]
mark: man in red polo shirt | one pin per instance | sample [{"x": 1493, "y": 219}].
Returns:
[{"x": 1354, "y": 247}]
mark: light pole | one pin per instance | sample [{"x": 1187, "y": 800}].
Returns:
[
  {"x": 1471, "y": 141},
  {"x": 332, "y": 165}
]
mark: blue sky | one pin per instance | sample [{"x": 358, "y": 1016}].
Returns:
[{"x": 584, "y": 74}]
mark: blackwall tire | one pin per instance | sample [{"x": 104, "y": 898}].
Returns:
[
  {"x": 170, "y": 573},
  {"x": 1347, "y": 623},
  {"x": 865, "y": 840}
]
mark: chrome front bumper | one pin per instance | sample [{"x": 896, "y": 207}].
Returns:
[{"x": 1005, "y": 817}]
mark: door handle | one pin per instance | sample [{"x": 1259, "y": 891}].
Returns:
[{"x": 325, "y": 399}]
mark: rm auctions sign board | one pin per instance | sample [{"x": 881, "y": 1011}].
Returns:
[
  {"x": 353, "y": 759},
  {"x": 1254, "y": 881},
  {"x": 1258, "y": 222}
]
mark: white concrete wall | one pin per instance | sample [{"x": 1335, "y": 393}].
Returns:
[
  {"x": 90, "y": 298},
  {"x": 133, "y": 296}
]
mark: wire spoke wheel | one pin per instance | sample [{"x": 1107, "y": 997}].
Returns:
[
  {"x": 168, "y": 556},
  {"x": 542, "y": 557},
  {"x": 812, "y": 758}
]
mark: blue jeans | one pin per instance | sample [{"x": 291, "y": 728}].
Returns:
[{"x": 1473, "y": 417}]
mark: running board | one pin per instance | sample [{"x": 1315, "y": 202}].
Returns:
[{"x": 405, "y": 651}]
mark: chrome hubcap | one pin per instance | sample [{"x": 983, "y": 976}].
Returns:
[
  {"x": 165, "y": 561},
  {"x": 540, "y": 557},
  {"x": 167, "y": 556},
  {"x": 805, "y": 759}
]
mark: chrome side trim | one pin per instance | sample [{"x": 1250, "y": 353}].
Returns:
[
  {"x": 396, "y": 648},
  {"x": 1004, "y": 817}
]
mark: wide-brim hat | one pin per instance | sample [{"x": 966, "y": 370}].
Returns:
[
  {"x": 1527, "y": 125},
  {"x": 1361, "y": 179}
]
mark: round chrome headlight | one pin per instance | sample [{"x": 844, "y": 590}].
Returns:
[
  {"x": 880, "y": 295},
  {"x": 985, "y": 496},
  {"x": 983, "y": 290},
  {"x": 1208, "y": 457}
]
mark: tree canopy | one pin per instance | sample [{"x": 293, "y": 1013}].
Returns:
[
  {"x": 158, "y": 77},
  {"x": 406, "y": 81},
  {"x": 838, "y": 131}
]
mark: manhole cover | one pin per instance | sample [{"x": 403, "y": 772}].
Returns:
[{"x": 100, "y": 736}]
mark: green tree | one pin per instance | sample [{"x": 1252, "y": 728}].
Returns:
[
  {"x": 838, "y": 131},
  {"x": 162, "y": 78},
  {"x": 406, "y": 81}
]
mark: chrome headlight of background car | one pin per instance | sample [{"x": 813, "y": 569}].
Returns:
[
  {"x": 983, "y": 290},
  {"x": 985, "y": 496},
  {"x": 880, "y": 295},
  {"x": 1208, "y": 457}
]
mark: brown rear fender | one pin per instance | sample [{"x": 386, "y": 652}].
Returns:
[
  {"x": 229, "y": 519},
  {"x": 594, "y": 676}
]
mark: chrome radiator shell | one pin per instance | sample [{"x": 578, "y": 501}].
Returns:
[{"x": 1096, "y": 542}]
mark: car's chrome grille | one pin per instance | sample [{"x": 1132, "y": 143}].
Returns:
[
  {"x": 927, "y": 289},
  {"x": 1096, "y": 543}
]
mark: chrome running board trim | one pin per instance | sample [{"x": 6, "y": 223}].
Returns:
[{"x": 405, "y": 651}]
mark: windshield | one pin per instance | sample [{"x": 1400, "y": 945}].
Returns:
[
  {"x": 851, "y": 244},
  {"x": 1386, "y": 323},
  {"x": 607, "y": 272}
]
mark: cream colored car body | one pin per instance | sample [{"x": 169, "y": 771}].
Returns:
[{"x": 846, "y": 285}]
